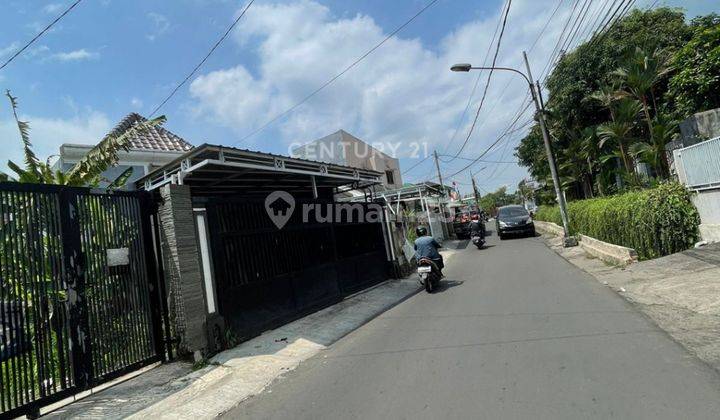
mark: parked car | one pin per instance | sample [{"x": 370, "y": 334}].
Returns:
[{"x": 514, "y": 220}]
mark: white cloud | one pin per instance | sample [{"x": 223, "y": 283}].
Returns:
[
  {"x": 47, "y": 134},
  {"x": 403, "y": 92},
  {"x": 160, "y": 23},
  {"x": 9, "y": 49},
  {"x": 77, "y": 55},
  {"x": 52, "y": 8},
  {"x": 136, "y": 103}
]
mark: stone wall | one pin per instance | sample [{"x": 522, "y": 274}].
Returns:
[
  {"x": 701, "y": 126},
  {"x": 182, "y": 268}
]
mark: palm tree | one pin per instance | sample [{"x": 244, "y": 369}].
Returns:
[
  {"x": 639, "y": 75},
  {"x": 664, "y": 130},
  {"x": 606, "y": 96},
  {"x": 619, "y": 130},
  {"x": 88, "y": 171},
  {"x": 574, "y": 160}
]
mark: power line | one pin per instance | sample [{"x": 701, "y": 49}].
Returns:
[
  {"x": 337, "y": 76},
  {"x": 503, "y": 135},
  {"x": 605, "y": 29},
  {"x": 554, "y": 53},
  {"x": 583, "y": 15},
  {"x": 542, "y": 31},
  {"x": 481, "y": 160},
  {"x": 487, "y": 84},
  {"x": 415, "y": 165},
  {"x": 36, "y": 37},
  {"x": 594, "y": 22},
  {"x": 214, "y": 47},
  {"x": 505, "y": 89},
  {"x": 472, "y": 92}
]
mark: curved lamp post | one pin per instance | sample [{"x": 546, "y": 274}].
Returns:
[{"x": 466, "y": 67}]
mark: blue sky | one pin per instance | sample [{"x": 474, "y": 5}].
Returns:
[{"x": 110, "y": 57}]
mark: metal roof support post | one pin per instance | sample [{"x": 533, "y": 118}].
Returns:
[
  {"x": 398, "y": 203},
  {"x": 427, "y": 210},
  {"x": 314, "y": 187}
]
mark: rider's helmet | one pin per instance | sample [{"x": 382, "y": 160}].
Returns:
[{"x": 421, "y": 231}]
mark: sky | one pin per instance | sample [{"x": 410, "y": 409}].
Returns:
[{"x": 108, "y": 58}]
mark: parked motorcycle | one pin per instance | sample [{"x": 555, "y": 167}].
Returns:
[{"x": 429, "y": 274}]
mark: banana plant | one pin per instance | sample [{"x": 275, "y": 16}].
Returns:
[{"x": 88, "y": 171}]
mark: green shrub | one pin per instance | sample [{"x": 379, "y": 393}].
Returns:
[{"x": 654, "y": 222}]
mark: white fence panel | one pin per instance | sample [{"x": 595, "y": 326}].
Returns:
[{"x": 698, "y": 166}]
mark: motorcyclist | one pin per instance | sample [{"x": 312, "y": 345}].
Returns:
[
  {"x": 477, "y": 228},
  {"x": 427, "y": 247}
]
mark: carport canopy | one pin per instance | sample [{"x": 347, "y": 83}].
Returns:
[{"x": 212, "y": 170}]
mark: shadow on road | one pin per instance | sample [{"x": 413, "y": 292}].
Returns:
[
  {"x": 448, "y": 284},
  {"x": 457, "y": 244}
]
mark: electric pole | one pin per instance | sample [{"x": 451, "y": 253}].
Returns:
[
  {"x": 568, "y": 240},
  {"x": 477, "y": 195},
  {"x": 437, "y": 166}
]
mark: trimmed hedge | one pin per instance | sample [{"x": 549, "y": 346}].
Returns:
[{"x": 654, "y": 222}]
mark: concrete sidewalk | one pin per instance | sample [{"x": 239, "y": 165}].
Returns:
[
  {"x": 680, "y": 292},
  {"x": 174, "y": 391}
]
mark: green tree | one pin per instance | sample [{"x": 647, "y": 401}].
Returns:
[
  {"x": 491, "y": 201},
  {"x": 88, "y": 171},
  {"x": 695, "y": 87},
  {"x": 583, "y": 89}
]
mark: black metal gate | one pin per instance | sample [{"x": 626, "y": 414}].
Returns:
[
  {"x": 267, "y": 276},
  {"x": 80, "y": 294}
]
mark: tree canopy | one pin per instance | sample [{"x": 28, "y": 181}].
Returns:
[{"x": 616, "y": 100}]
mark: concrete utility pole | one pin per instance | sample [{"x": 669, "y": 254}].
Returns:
[
  {"x": 568, "y": 240},
  {"x": 437, "y": 166},
  {"x": 475, "y": 191},
  {"x": 540, "y": 114}
]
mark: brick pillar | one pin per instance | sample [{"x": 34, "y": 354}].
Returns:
[{"x": 182, "y": 267}]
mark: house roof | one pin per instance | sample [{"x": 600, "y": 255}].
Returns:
[{"x": 155, "y": 138}]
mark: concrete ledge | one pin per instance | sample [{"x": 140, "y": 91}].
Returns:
[
  {"x": 549, "y": 227},
  {"x": 613, "y": 254},
  {"x": 710, "y": 232}
]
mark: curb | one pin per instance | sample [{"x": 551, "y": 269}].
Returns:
[
  {"x": 549, "y": 227},
  {"x": 613, "y": 254},
  {"x": 610, "y": 253}
]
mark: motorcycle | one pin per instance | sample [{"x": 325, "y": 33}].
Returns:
[
  {"x": 478, "y": 241},
  {"x": 429, "y": 274}
]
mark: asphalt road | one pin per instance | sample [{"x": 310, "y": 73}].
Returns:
[{"x": 516, "y": 333}]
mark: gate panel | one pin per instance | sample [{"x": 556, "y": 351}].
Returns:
[
  {"x": 117, "y": 295},
  {"x": 266, "y": 277},
  {"x": 35, "y": 361},
  {"x": 75, "y": 306}
]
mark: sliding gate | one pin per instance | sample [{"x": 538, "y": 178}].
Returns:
[
  {"x": 267, "y": 276},
  {"x": 79, "y": 295}
]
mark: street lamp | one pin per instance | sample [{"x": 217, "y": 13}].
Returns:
[
  {"x": 466, "y": 67},
  {"x": 461, "y": 67}
]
